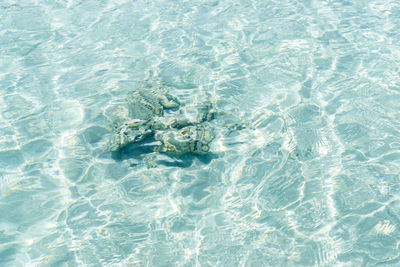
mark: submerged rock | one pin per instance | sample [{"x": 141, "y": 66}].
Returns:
[
  {"x": 175, "y": 133},
  {"x": 149, "y": 101},
  {"x": 135, "y": 130},
  {"x": 190, "y": 139}
]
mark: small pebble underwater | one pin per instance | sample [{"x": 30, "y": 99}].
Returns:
[{"x": 199, "y": 133}]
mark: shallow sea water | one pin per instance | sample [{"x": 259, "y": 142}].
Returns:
[{"x": 312, "y": 179}]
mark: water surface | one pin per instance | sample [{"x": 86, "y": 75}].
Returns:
[{"x": 311, "y": 180}]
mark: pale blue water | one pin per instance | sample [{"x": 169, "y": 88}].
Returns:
[{"x": 312, "y": 180}]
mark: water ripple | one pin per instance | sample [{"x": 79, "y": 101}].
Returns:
[{"x": 304, "y": 169}]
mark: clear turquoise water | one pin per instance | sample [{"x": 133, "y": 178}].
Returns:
[{"x": 313, "y": 180}]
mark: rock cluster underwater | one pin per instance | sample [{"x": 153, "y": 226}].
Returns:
[{"x": 175, "y": 134}]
